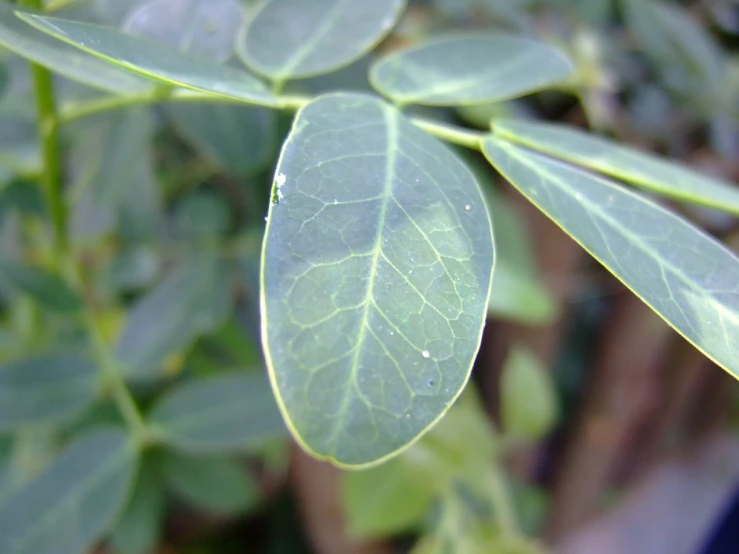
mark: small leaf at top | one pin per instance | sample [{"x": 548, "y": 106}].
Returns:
[
  {"x": 155, "y": 61},
  {"x": 221, "y": 413},
  {"x": 19, "y": 37},
  {"x": 48, "y": 388},
  {"x": 651, "y": 172},
  {"x": 291, "y": 39},
  {"x": 376, "y": 272},
  {"x": 67, "y": 508},
  {"x": 206, "y": 28},
  {"x": 685, "y": 276},
  {"x": 469, "y": 69}
]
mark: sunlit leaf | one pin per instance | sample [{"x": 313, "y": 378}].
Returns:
[
  {"x": 375, "y": 278},
  {"x": 217, "y": 485},
  {"x": 240, "y": 140},
  {"x": 289, "y": 39},
  {"x": 46, "y": 388},
  {"x": 221, "y": 413},
  {"x": 682, "y": 274},
  {"x": 24, "y": 40},
  {"x": 469, "y": 69},
  {"x": 191, "y": 300},
  {"x": 47, "y": 289},
  {"x": 155, "y": 61},
  {"x": 668, "y": 178},
  {"x": 528, "y": 402},
  {"x": 66, "y": 508},
  {"x": 206, "y": 28},
  {"x": 140, "y": 524}
]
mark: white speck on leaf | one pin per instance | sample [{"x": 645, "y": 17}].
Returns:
[
  {"x": 468, "y": 207},
  {"x": 280, "y": 180},
  {"x": 426, "y": 354}
]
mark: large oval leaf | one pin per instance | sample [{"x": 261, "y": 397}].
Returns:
[
  {"x": 376, "y": 271},
  {"x": 469, "y": 69},
  {"x": 291, "y": 39},
  {"x": 668, "y": 178},
  {"x": 222, "y": 413},
  {"x": 682, "y": 274},
  {"x": 46, "y": 388},
  {"x": 73, "y": 501},
  {"x": 155, "y": 61},
  {"x": 19, "y": 37}
]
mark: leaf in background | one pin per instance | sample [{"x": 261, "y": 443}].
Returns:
[
  {"x": 469, "y": 69},
  {"x": 217, "y": 485},
  {"x": 685, "y": 276},
  {"x": 668, "y": 178},
  {"x": 239, "y": 140},
  {"x": 679, "y": 48},
  {"x": 376, "y": 274},
  {"x": 204, "y": 28},
  {"x": 156, "y": 61},
  {"x": 528, "y": 402},
  {"x": 202, "y": 215},
  {"x": 385, "y": 500},
  {"x": 46, "y": 288},
  {"x": 291, "y": 39},
  {"x": 33, "y": 448},
  {"x": 220, "y": 413},
  {"x": 140, "y": 524},
  {"x": 192, "y": 300},
  {"x": 22, "y": 39},
  {"x": 46, "y": 388},
  {"x": 114, "y": 12},
  {"x": 66, "y": 508}
]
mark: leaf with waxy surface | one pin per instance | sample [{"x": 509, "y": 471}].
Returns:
[
  {"x": 19, "y": 37},
  {"x": 156, "y": 61},
  {"x": 639, "y": 168},
  {"x": 376, "y": 270},
  {"x": 66, "y": 508},
  {"x": 221, "y": 413},
  {"x": 46, "y": 388},
  {"x": 469, "y": 69},
  {"x": 685, "y": 276},
  {"x": 291, "y": 39}
]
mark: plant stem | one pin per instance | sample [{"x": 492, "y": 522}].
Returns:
[
  {"x": 52, "y": 175},
  {"x": 455, "y": 135}
]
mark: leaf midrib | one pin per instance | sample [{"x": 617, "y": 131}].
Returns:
[{"x": 391, "y": 122}]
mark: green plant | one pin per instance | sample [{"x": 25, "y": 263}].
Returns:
[{"x": 373, "y": 278}]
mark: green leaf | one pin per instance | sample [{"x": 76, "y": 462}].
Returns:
[
  {"x": 140, "y": 525},
  {"x": 221, "y": 413},
  {"x": 202, "y": 215},
  {"x": 72, "y": 502},
  {"x": 22, "y": 39},
  {"x": 192, "y": 300},
  {"x": 386, "y": 499},
  {"x": 46, "y": 288},
  {"x": 156, "y": 61},
  {"x": 469, "y": 69},
  {"x": 685, "y": 276},
  {"x": 669, "y": 178},
  {"x": 239, "y": 140},
  {"x": 528, "y": 402},
  {"x": 291, "y": 39},
  {"x": 206, "y": 28},
  {"x": 219, "y": 485},
  {"x": 376, "y": 271},
  {"x": 48, "y": 388}
]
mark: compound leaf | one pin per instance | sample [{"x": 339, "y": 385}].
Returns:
[
  {"x": 69, "y": 505},
  {"x": 469, "y": 69},
  {"x": 376, "y": 271},
  {"x": 221, "y": 413},
  {"x": 685, "y": 276},
  {"x": 156, "y": 61},
  {"x": 290, "y": 39},
  {"x": 668, "y": 178},
  {"x": 19, "y": 37}
]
